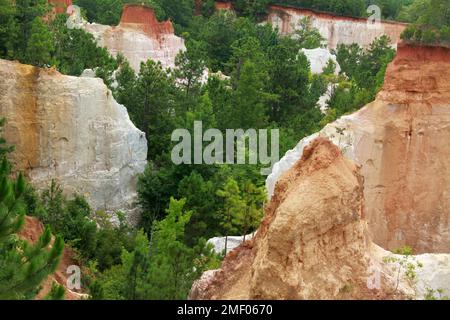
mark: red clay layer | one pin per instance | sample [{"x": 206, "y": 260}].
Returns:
[
  {"x": 145, "y": 18},
  {"x": 324, "y": 15},
  {"x": 223, "y": 5},
  {"x": 320, "y": 14},
  {"x": 417, "y": 52},
  {"x": 60, "y": 6}
]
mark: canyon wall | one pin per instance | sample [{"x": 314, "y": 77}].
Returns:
[
  {"x": 401, "y": 142},
  {"x": 335, "y": 29},
  {"x": 71, "y": 129},
  {"x": 139, "y": 36}
]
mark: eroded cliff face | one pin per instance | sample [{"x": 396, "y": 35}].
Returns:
[
  {"x": 335, "y": 29},
  {"x": 139, "y": 36},
  {"x": 312, "y": 243},
  {"x": 401, "y": 142},
  {"x": 71, "y": 129}
]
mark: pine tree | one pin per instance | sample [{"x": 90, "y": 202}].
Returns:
[
  {"x": 40, "y": 46},
  {"x": 249, "y": 98},
  {"x": 153, "y": 109},
  {"x": 233, "y": 208},
  {"x": 254, "y": 198},
  {"x": 161, "y": 266},
  {"x": 57, "y": 292},
  {"x": 8, "y": 29},
  {"x": 190, "y": 66},
  {"x": 126, "y": 82},
  {"x": 22, "y": 266}
]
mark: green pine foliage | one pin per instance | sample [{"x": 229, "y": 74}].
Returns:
[
  {"x": 4, "y": 147},
  {"x": 27, "y": 35},
  {"x": 57, "y": 292},
  {"x": 364, "y": 72},
  {"x": 22, "y": 266},
  {"x": 161, "y": 267},
  {"x": 40, "y": 46},
  {"x": 431, "y": 22}
]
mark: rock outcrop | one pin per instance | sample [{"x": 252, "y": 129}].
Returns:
[
  {"x": 401, "y": 142},
  {"x": 223, "y": 5},
  {"x": 312, "y": 243},
  {"x": 318, "y": 58},
  {"x": 231, "y": 241},
  {"x": 333, "y": 28},
  {"x": 139, "y": 36},
  {"x": 71, "y": 129}
]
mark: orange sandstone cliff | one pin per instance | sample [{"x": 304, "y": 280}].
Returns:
[
  {"x": 401, "y": 142},
  {"x": 60, "y": 6},
  {"x": 144, "y": 18}
]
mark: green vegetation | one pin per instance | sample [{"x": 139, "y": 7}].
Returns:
[
  {"x": 27, "y": 37},
  {"x": 162, "y": 267},
  {"x": 432, "y": 22},
  {"x": 436, "y": 294},
  {"x": 406, "y": 266},
  {"x": 364, "y": 70}
]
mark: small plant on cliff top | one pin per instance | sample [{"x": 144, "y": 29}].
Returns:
[
  {"x": 435, "y": 294},
  {"x": 407, "y": 264}
]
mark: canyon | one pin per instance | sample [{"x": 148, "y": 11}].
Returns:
[
  {"x": 348, "y": 196},
  {"x": 341, "y": 201},
  {"x": 72, "y": 130}
]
